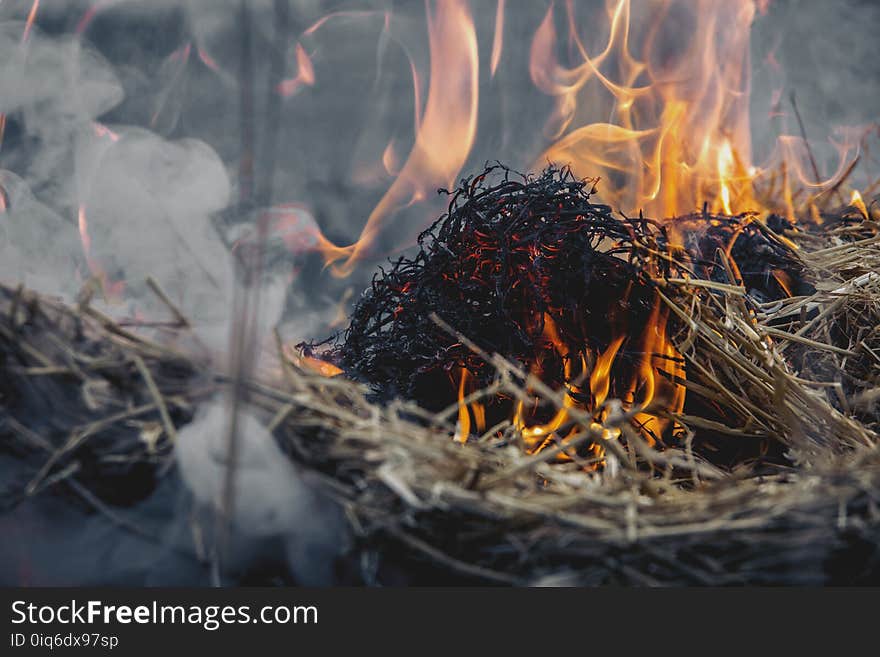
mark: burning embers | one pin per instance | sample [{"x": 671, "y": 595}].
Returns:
[{"x": 571, "y": 294}]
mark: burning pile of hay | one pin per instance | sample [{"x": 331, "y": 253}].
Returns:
[{"x": 769, "y": 473}]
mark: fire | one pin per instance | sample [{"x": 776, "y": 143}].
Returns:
[
  {"x": 675, "y": 134},
  {"x": 671, "y": 86},
  {"x": 498, "y": 39},
  {"x": 309, "y": 362},
  {"x": 389, "y": 159},
  {"x": 859, "y": 204},
  {"x": 304, "y": 77},
  {"x": 658, "y": 111},
  {"x": 102, "y": 130},
  {"x": 445, "y": 128},
  {"x": 319, "y": 366},
  {"x": 111, "y": 289},
  {"x": 660, "y": 367},
  {"x": 725, "y": 167},
  {"x": 29, "y": 24}
]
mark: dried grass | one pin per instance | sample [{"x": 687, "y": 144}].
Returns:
[{"x": 803, "y": 373}]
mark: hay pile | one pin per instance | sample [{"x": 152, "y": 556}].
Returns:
[{"x": 802, "y": 373}]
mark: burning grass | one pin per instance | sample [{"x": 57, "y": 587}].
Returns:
[
  {"x": 570, "y": 293},
  {"x": 768, "y": 473}
]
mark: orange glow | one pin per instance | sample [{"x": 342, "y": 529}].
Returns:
[
  {"x": 725, "y": 170},
  {"x": 111, "y": 289},
  {"x": 675, "y": 131},
  {"x": 784, "y": 281},
  {"x": 661, "y": 112},
  {"x": 464, "y": 418},
  {"x": 89, "y": 15},
  {"x": 445, "y": 130},
  {"x": 463, "y": 430},
  {"x": 305, "y": 74},
  {"x": 86, "y": 240},
  {"x": 83, "y": 225},
  {"x": 29, "y": 24},
  {"x": 319, "y": 366},
  {"x": 498, "y": 39},
  {"x": 86, "y": 19},
  {"x": 858, "y": 203},
  {"x": 658, "y": 355}
]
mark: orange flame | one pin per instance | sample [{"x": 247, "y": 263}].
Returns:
[
  {"x": 445, "y": 130},
  {"x": 498, "y": 39},
  {"x": 111, "y": 289},
  {"x": 304, "y": 77},
  {"x": 676, "y": 133},
  {"x": 660, "y": 367},
  {"x": 463, "y": 430},
  {"x": 319, "y": 366},
  {"x": 858, "y": 203},
  {"x": 31, "y": 18}
]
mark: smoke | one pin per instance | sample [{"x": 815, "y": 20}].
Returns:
[
  {"x": 272, "y": 496},
  {"x": 121, "y": 202},
  {"x": 36, "y": 243},
  {"x": 822, "y": 52}
]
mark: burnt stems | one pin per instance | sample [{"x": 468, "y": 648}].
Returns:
[{"x": 511, "y": 252}]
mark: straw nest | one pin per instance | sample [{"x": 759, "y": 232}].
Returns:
[{"x": 92, "y": 408}]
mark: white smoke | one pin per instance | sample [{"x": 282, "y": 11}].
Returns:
[
  {"x": 144, "y": 202},
  {"x": 272, "y": 496}
]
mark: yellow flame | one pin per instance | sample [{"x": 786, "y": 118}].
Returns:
[
  {"x": 464, "y": 414},
  {"x": 725, "y": 168},
  {"x": 600, "y": 379},
  {"x": 858, "y": 203},
  {"x": 445, "y": 132},
  {"x": 678, "y": 116}
]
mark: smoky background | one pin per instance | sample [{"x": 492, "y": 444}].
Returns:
[
  {"x": 171, "y": 71},
  {"x": 165, "y": 199}
]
